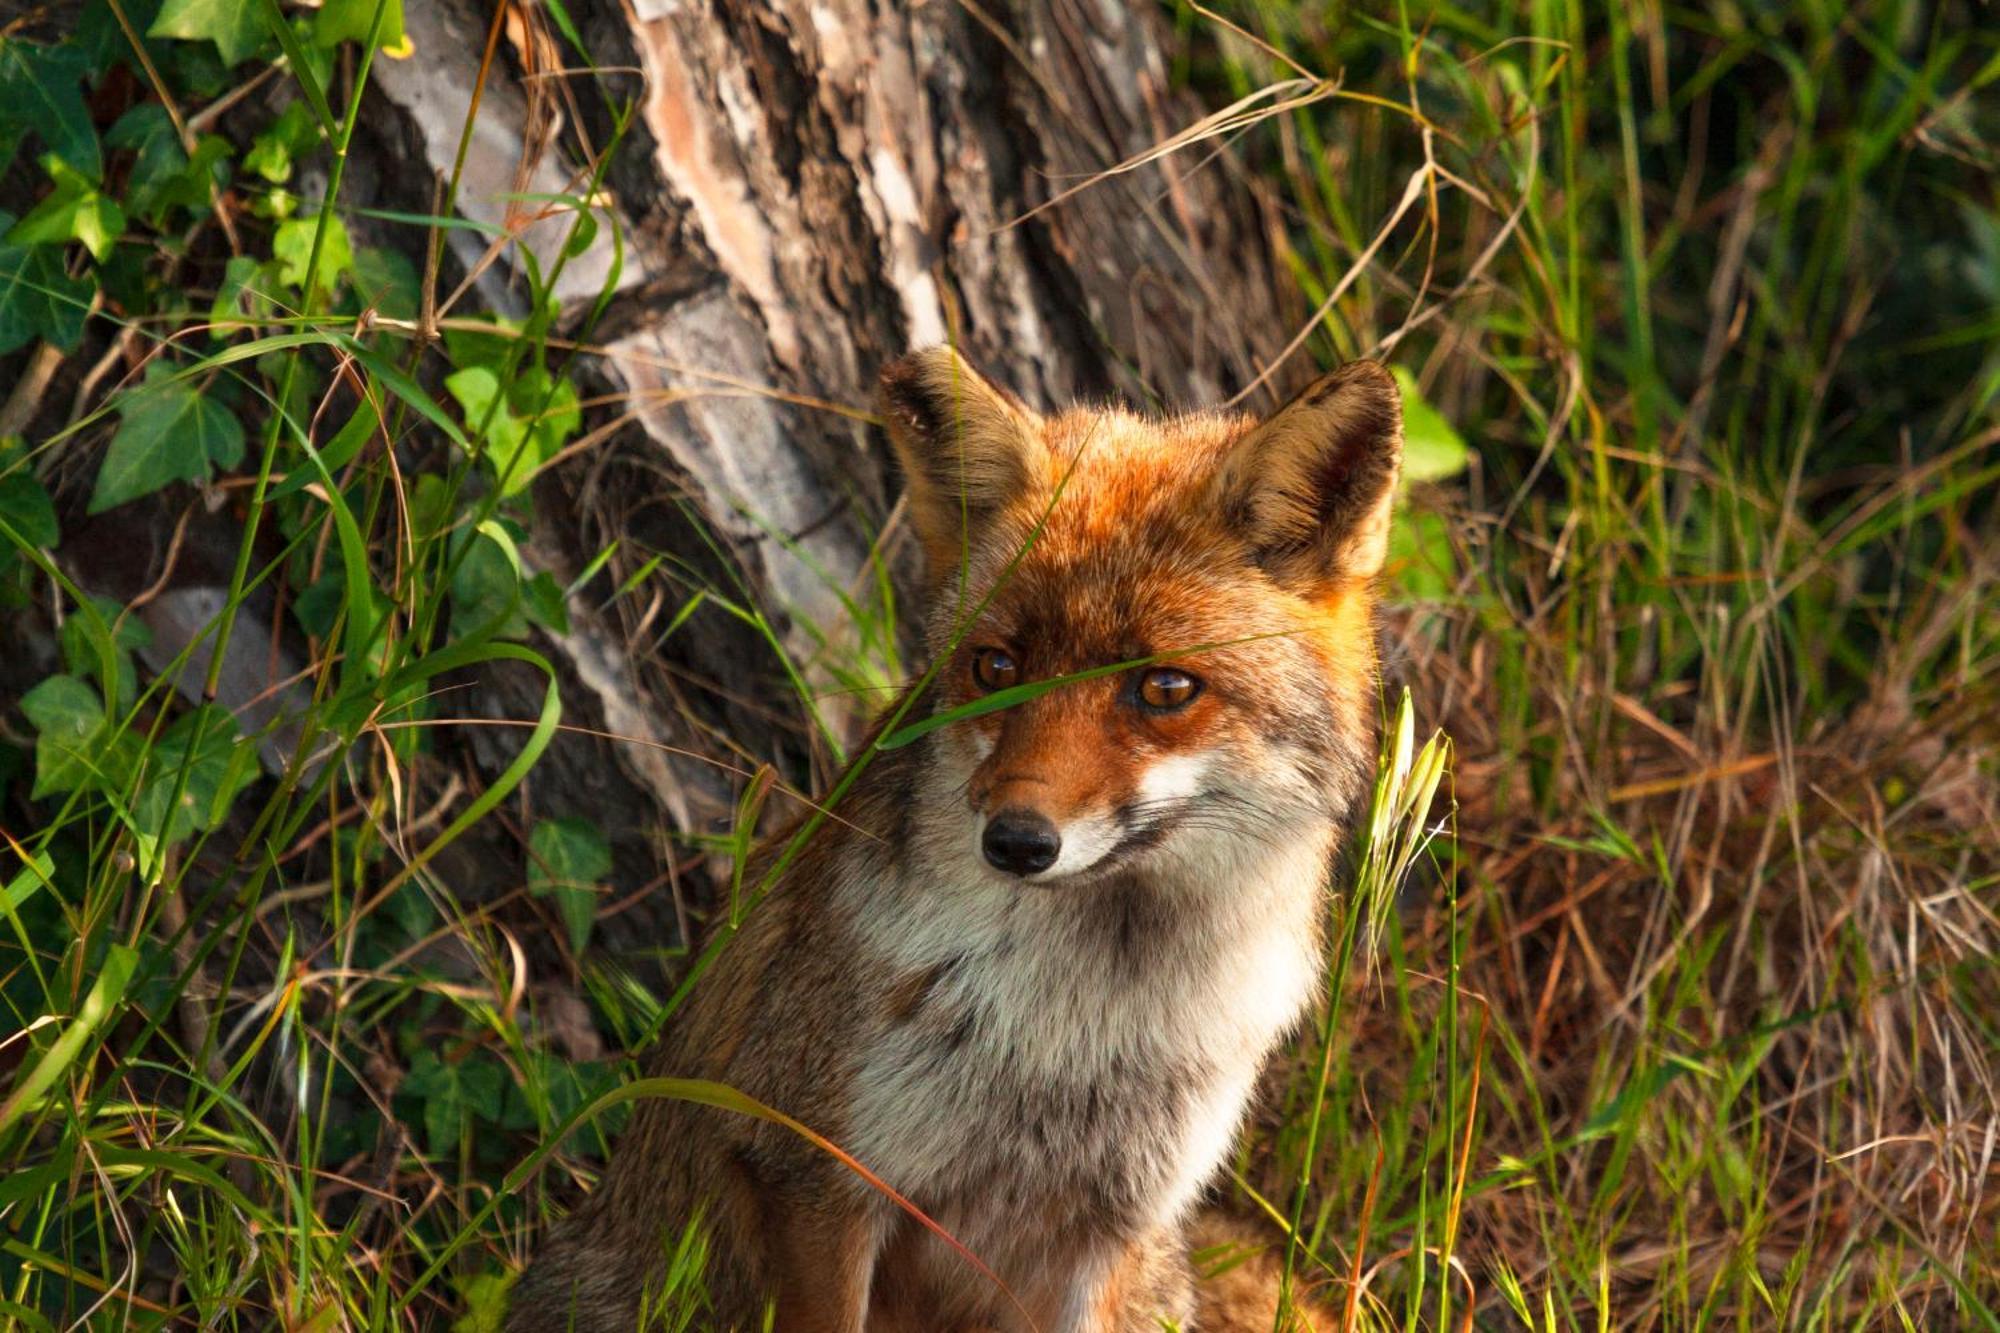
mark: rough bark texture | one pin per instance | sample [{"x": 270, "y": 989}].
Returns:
[{"x": 806, "y": 190}]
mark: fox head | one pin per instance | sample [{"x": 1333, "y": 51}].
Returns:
[{"x": 1200, "y": 588}]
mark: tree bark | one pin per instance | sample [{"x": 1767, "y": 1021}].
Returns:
[{"x": 807, "y": 190}]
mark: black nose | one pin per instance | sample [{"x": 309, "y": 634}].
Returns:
[{"x": 1020, "y": 842}]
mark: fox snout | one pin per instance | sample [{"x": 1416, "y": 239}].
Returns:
[
  {"x": 1041, "y": 818},
  {"x": 1020, "y": 841}
]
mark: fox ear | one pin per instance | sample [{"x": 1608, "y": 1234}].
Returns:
[
  {"x": 967, "y": 446},
  {"x": 1312, "y": 487}
]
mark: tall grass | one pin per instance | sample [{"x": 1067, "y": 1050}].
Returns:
[
  {"x": 1684, "y": 1020},
  {"x": 1695, "y": 1027}
]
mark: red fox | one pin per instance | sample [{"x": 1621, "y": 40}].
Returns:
[{"x": 1030, "y": 975}]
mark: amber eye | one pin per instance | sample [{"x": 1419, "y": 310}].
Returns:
[
  {"x": 995, "y": 669},
  {"x": 1167, "y": 688}
]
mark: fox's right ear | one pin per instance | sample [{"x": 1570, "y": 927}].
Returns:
[
  {"x": 1312, "y": 488},
  {"x": 967, "y": 446}
]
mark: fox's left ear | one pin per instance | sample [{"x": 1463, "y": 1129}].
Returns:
[
  {"x": 1312, "y": 487},
  {"x": 968, "y": 448}
]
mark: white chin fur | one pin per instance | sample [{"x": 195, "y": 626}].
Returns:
[{"x": 1084, "y": 843}]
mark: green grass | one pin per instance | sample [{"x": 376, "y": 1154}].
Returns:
[{"x": 1676, "y": 1011}]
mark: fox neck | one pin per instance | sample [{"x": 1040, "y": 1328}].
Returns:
[
  {"x": 1103, "y": 1035},
  {"x": 1218, "y": 952}
]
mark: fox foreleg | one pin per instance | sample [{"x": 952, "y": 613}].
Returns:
[{"x": 827, "y": 1262}]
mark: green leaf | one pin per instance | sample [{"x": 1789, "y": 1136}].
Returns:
[
  {"x": 25, "y": 503},
  {"x": 489, "y": 415},
  {"x": 38, "y": 298},
  {"x": 523, "y": 429},
  {"x": 549, "y": 407},
  {"x": 387, "y": 280},
  {"x": 244, "y": 294},
  {"x": 275, "y": 151},
  {"x": 74, "y": 211},
  {"x": 163, "y": 176},
  {"x": 42, "y": 87},
  {"x": 452, "y": 1096},
  {"x": 221, "y": 767},
  {"x": 350, "y": 20},
  {"x": 100, "y": 35},
  {"x": 237, "y": 27},
  {"x": 88, "y": 651},
  {"x": 545, "y": 602},
  {"x": 1432, "y": 450},
  {"x": 67, "y": 718},
  {"x": 567, "y": 859},
  {"x": 472, "y": 347},
  {"x": 486, "y": 589},
  {"x": 157, "y": 155},
  {"x": 167, "y": 432},
  {"x": 312, "y": 68},
  {"x": 292, "y": 245},
  {"x": 318, "y": 607}
]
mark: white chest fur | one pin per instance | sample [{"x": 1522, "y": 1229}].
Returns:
[{"x": 1067, "y": 1044}]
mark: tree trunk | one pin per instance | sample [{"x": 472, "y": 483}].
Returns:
[{"x": 806, "y": 191}]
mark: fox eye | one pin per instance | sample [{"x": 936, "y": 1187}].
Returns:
[
  {"x": 995, "y": 669},
  {"x": 1164, "y": 689}
]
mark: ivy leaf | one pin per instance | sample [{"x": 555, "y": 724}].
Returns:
[
  {"x": 38, "y": 297},
  {"x": 349, "y": 21},
  {"x": 87, "y": 652},
  {"x": 292, "y": 245},
  {"x": 488, "y": 412},
  {"x": 221, "y": 767},
  {"x": 543, "y": 599},
  {"x": 243, "y": 295},
  {"x": 67, "y": 717},
  {"x": 486, "y": 589},
  {"x": 156, "y": 153},
  {"x": 476, "y": 347},
  {"x": 549, "y": 407},
  {"x": 24, "y": 504},
  {"x": 236, "y": 27},
  {"x": 452, "y": 1096},
  {"x": 100, "y": 35},
  {"x": 1432, "y": 449},
  {"x": 387, "y": 280},
  {"x": 76, "y": 210},
  {"x": 163, "y": 176},
  {"x": 42, "y": 87},
  {"x": 567, "y": 859},
  {"x": 279, "y": 146},
  {"x": 167, "y": 432}
]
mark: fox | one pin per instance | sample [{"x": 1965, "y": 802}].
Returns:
[{"x": 1029, "y": 973}]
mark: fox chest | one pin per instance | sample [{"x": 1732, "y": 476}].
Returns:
[{"x": 1055, "y": 1078}]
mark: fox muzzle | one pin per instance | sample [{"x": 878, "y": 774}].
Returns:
[{"x": 1020, "y": 842}]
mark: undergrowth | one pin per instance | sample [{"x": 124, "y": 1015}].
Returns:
[{"x": 1684, "y": 1018}]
